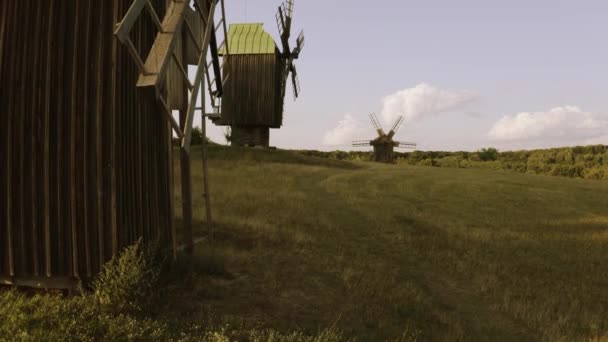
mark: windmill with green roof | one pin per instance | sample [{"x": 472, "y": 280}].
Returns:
[{"x": 254, "y": 93}]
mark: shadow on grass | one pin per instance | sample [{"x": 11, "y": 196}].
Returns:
[{"x": 248, "y": 154}]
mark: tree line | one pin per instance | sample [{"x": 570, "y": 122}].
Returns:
[{"x": 590, "y": 162}]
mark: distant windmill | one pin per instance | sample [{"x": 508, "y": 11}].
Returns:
[
  {"x": 254, "y": 93},
  {"x": 384, "y": 143}
]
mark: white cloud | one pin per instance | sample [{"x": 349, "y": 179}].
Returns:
[
  {"x": 348, "y": 129},
  {"x": 560, "y": 125},
  {"x": 423, "y": 100}
]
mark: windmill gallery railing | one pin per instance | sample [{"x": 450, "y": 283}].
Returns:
[{"x": 178, "y": 26}]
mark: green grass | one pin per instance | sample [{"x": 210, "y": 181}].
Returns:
[
  {"x": 319, "y": 250},
  {"x": 397, "y": 252}
]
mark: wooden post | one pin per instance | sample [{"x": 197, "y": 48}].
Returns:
[
  {"x": 186, "y": 191},
  {"x": 205, "y": 172},
  {"x": 185, "y": 166}
]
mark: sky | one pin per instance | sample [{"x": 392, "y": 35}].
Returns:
[{"x": 465, "y": 74}]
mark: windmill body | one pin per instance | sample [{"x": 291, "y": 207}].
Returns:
[
  {"x": 252, "y": 102},
  {"x": 384, "y": 145},
  {"x": 253, "y": 94},
  {"x": 383, "y": 149}
]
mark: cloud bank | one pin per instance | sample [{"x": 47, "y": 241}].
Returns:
[
  {"x": 347, "y": 129},
  {"x": 413, "y": 103},
  {"x": 558, "y": 126},
  {"x": 423, "y": 100}
]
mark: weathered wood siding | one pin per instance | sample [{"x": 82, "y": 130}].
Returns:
[
  {"x": 383, "y": 153},
  {"x": 250, "y": 136},
  {"x": 252, "y": 94},
  {"x": 84, "y": 157}
]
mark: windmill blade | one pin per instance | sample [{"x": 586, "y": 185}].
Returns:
[
  {"x": 376, "y": 126},
  {"x": 359, "y": 143},
  {"x": 288, "y": 11},
  {"x": 284, "y": 77},
  {"x": 401, "y": 144},
  {"x": 398, "y": 123},
  {"x": 396, "y": 126},
  {"x": 376, "y": 123},
  {"x": 284, "y": 18},
  {"x": 295, "y": 82},
  {"x": 299, "y": 45},
  {"x": 280, "y": 17}
]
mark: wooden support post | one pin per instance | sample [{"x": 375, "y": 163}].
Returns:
[
  {"x": 205, "y": 172},
  {"x": 186, "y": 191}
]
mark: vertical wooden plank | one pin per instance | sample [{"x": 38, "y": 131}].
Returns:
[
  {"x": 139, "y": 143},
  {"x": 85, "y": 147},
  {"x": 98, "y": 134},
  {"x": 23, "y": 142},
  {"x": 9, "y": 136},
  {"x": 72, "y": 141},
  {"x": 3, "y": 115},
  {"x": 60, "y": 119},
  {"x": 112, "y": 143},
  {"x": 145, "y": 123},
  {"x": 34, "y": 135},
  {"x": 3, "y": 22},
  {"x": 46, "y": 148}
]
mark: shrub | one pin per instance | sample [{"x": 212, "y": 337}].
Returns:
[
  {"x": 427, "y": 162},
  {"x": 488, "y": 154},
  {"x": 114, "y": 310},
  {"x": 596, "y": 173},
  {"x": 124, "y": 287},
  {"x": 127, "y": 283},
  {"x": 452, "y": 161}
]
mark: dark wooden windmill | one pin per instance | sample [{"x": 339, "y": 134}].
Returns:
[
  {"x": 254, "y": 93},
  {"x": 384, "y": 143},
  {"x": 86, "y": 100}
]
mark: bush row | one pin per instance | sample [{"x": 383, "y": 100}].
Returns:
[{"x": 589, "y": 162}]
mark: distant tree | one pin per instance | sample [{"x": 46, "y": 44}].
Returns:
[
  {"x": 488, "y": 154},
  {"x": 228, "y": 135}
]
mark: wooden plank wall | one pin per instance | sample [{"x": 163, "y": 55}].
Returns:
[
  {"x": 85, "y": 158},
  {"x": 252, "y": 94}
]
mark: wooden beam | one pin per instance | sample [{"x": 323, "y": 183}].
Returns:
[
  {"x": 200, "y": 72},
  {"x": 160, "y": 54},
  {"x": 169, "y": 114},
  {"x": 124, "y": 27},
  {"x": 66, "y": 283}
]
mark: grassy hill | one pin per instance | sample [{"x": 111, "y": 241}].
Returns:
[
  {"x": 397, "y": 251},
  {"x": 375, "y": 252}
]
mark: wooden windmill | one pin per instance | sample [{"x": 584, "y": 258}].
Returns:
[
  {"x": 384, "y": 143},
  {"x": 254, "y": 93},
  {"x": 86, "y": 100}
]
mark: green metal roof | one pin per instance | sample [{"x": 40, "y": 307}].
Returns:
[{"x": 245, "y": 39}]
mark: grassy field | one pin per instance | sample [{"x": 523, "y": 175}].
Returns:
[{"x": 397, "y": 252}]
